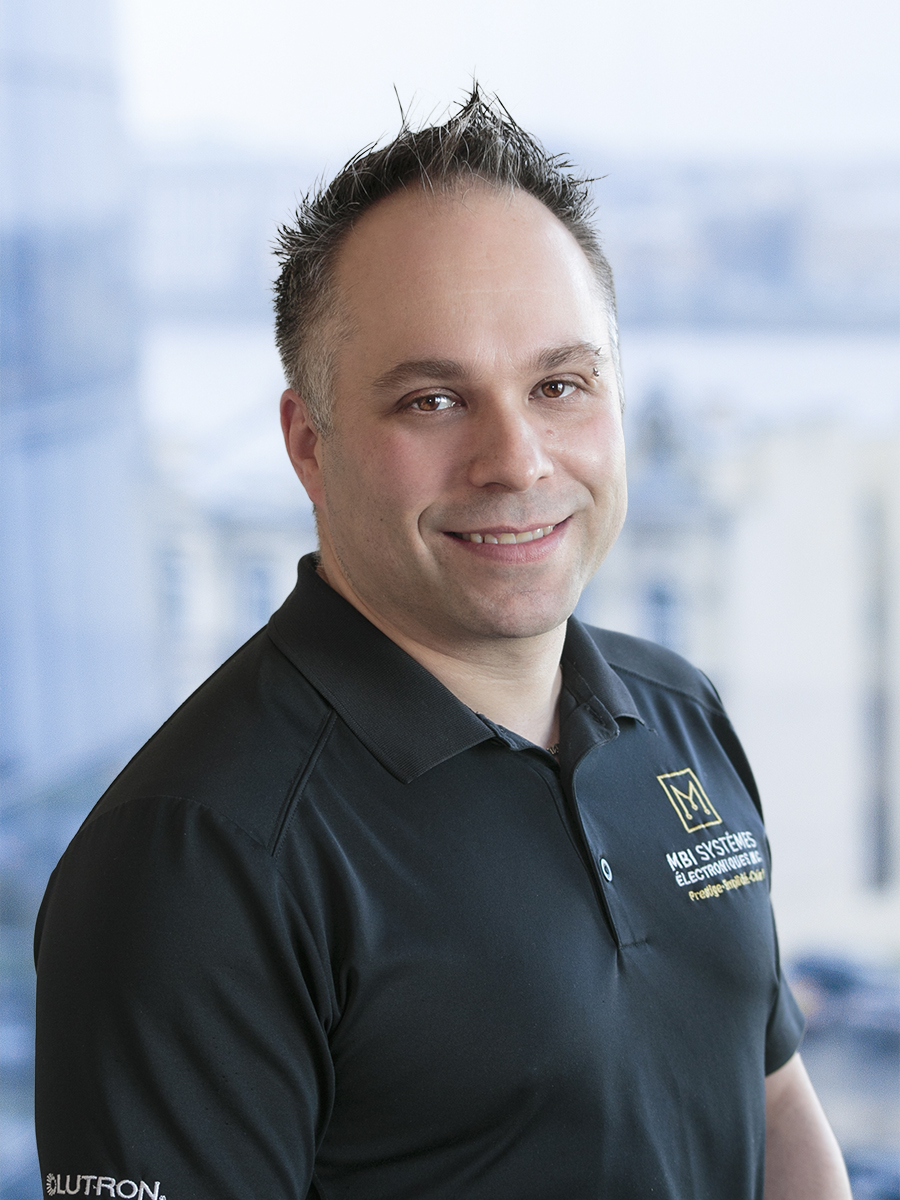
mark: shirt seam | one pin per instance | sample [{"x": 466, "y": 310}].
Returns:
[
  {"x": 300, "y": 780},
  {"x": 671, "y": 687},
  {"x": 217, "y": 816}
]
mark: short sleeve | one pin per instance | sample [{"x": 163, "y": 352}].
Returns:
[
  {"x": 785, "y": 1027},
  {"x": 182, "y": 1013}
]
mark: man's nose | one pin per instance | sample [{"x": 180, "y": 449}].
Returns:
[{"x": 509, "y": 448}]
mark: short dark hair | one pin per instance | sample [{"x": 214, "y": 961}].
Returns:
[{"x": 480, "y": 141}]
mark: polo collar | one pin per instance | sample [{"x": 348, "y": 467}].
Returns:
[{"x": 355, "y": 667}]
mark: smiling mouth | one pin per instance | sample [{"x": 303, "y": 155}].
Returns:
[{"x": 507, "y": 539}]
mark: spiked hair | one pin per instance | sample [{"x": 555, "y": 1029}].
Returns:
[{"x": 480, "y": 142}]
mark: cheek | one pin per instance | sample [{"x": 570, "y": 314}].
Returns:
[
  {"x": 387, "y": 479},
  {"x": 598, "y": 459}
]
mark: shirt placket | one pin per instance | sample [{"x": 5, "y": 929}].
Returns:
[{"x": 592, "y": 732}]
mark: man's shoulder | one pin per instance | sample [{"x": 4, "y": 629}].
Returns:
[
  {"x": 236, "y": 746},
  {"x": 641, "y": 662}
]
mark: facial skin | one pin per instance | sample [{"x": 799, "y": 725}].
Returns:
[{"x": 473, "y": 395}]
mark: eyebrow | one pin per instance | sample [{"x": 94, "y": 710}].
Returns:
[
  {"x": 449, "y": 369},
  {"x": 420, "y": 368},
  {"x": 550, "y": 360}
]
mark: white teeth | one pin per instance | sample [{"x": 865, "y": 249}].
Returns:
[{"x": 508, "y": 539}]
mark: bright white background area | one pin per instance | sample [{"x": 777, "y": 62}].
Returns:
[{"x": 787, "y": 77}]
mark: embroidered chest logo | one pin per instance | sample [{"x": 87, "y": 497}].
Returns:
[{"x": 690, "y": 801}]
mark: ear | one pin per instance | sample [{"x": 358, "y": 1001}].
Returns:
[{"x": 303, "y": 443}]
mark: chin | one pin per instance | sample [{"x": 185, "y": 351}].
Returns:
[{"x": 515, "y": 620}]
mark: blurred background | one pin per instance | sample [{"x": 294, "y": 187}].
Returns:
[{"x": 750, "y": 204}]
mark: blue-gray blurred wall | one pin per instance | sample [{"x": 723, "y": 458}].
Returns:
[{"x": 78, "y": 673}]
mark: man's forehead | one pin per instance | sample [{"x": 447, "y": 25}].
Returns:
[{"x": 428, "y": 248}]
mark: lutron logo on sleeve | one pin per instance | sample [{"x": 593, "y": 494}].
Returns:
[
  {"x": 690, "y": 801},
  {"x": 101, "y": 1185}
]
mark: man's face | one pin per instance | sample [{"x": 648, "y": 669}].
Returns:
[{"x": 475, "y": 475}]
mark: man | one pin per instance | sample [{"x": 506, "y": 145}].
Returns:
[{"x": 431, "y": 891}]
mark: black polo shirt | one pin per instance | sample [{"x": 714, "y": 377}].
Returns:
[{"x": 333, "y": 934}]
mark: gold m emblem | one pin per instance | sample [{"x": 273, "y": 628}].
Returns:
[{"x": 687, "y": 797}]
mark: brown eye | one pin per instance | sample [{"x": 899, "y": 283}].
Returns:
[
  {"x": 435, "y": 403},
  {"x": 556, "y": 389}
]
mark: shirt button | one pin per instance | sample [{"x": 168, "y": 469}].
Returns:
[{"x": 606, "y": 869}]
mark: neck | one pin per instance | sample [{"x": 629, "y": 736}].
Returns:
[{"x": 514, "y": 681}]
